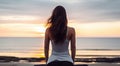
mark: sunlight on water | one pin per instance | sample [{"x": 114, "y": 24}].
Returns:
[{"x": 33, "y": 47}]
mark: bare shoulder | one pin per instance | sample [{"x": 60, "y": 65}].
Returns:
[
  {"x": 71, "y": 29},
  {"x": 47, "y": 30},
  {"x": 71, "y": 33}
]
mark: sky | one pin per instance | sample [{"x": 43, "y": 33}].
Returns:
[{"x": 90, "y": 18}]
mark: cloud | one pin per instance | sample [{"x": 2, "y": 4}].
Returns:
[
  {"x": 35, "y": 8},
  {"x": 77, "y": 10},
  {"x": 25, "y": 7},
  {"x": 67, "y": 1},
  {"x": 97, "y": 11}
]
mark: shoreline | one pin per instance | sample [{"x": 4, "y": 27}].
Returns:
[{"x": 87, "y": 59}]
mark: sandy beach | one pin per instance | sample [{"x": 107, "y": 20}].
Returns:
[
  {"x": 16, "y": 64},
  {"x": 41, "y": 64},
  {"x": 104, "y": 64}
]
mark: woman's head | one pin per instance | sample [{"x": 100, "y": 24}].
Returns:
[{"x": 58, "y": 24}]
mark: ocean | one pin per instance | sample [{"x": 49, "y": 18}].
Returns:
[{"x": 33, "y": 46}]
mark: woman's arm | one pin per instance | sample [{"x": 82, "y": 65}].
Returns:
[
  {"x": 73, "y": 43},
  {"x": 46, "y": 45}
]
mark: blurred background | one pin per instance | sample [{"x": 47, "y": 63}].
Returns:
[{"x": 22, "y": 26}]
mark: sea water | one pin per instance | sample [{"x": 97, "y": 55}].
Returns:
[{"x": 33, "y": 46}]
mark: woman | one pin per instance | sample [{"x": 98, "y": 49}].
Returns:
[{"x": 60, "y": 35}]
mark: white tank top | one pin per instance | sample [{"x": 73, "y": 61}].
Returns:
[{"x": 60, "y": 52}]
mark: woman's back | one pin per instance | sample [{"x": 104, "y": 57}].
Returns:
[
  {"x": 60, "y": 50},
  {"x": 61, "y": 46}
]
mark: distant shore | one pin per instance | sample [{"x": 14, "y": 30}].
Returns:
[
  {"x": 16, "y": 61},
  {"x": 81, "y": 59}
]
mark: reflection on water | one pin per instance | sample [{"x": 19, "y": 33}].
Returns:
[
  {"x": 33, "y": 46},
  {"x": 79, "y": 53}
]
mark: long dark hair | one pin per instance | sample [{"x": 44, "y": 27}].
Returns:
[{"x": 58, "y": 24}]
